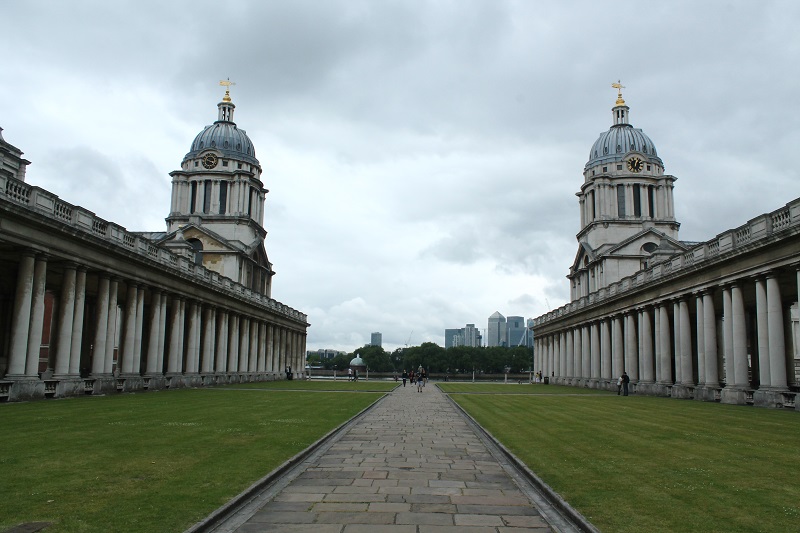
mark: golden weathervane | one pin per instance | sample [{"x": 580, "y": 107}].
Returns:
[
  {"x": 618, "y": 86},
  {"x": 227, "y": 84}
]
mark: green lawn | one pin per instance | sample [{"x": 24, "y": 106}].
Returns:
[
  {"x": 515, "y": 388},
  {"x": 654, "y": 464},
  {"x": 319, "y": 385},
  {"x": 158, "y": 461}
]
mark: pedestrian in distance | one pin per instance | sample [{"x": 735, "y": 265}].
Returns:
[
  {"x": 625, "y": 381},
  {"x": 420, "y": 380},
  {"x": 405, "y": 377},
  {"x": 619, "y": 385}
]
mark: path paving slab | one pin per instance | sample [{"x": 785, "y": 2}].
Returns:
[{"x": 411, "y": 464}]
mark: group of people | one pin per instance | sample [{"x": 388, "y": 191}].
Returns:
[
  {"x": 352, "y": 375},
  {"x": 622, "y": 383},
  {"x": 420, "y": 377}
]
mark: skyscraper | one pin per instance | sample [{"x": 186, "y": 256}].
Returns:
[
  {"x": 376, "y": 339},
  {"x": 496, "y": 334}
]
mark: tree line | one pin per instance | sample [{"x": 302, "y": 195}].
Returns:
[{"x": 435, "y": 359}]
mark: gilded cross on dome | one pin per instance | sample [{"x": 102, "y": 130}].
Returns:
[
  {"x": 227, "y": 84},
  {"x": 618, "y": 86}
]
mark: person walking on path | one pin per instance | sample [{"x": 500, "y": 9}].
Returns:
[
  {"x": 405, "y": 377},
  {"x": 619, "y": 385},
  {"x": 420, "y": 380},
  {"x": 625, "y": 381}
]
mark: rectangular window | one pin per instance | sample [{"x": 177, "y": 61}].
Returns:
[
  {"x": 193, "y": 199},
  {"x": 224, "y": 163},
  {"x": 250, "y": 203},
  {"x": 594, "y": 207},
  {"x": 619, "y": 167},
  {"x": 621, "y": 201},
  {"x": 651, "y": 200},
  {"x": 637, "y": 200},
  {"x": 206, "y": 196},
  {"x": 223, "y": 196}
]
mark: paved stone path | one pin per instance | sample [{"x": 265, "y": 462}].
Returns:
[{"x": 412, "y": 464}]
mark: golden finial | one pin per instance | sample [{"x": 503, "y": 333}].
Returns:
[
  {"x": 227, "y": 84},
  {"x": 618, "y": 86}
]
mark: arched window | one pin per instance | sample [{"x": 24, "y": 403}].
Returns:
[{"x": 197, "y": 247}]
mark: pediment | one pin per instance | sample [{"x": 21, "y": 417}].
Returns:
[{"x": 646, "y": 242}]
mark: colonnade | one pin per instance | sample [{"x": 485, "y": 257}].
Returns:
[
  {"x": 733, "y": 342},
  {"x": 76, "y": 329}
]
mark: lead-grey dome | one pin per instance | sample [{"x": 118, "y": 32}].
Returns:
[
  {"x": 225, "y": 137},
  {"x": 621, "y": 139}
]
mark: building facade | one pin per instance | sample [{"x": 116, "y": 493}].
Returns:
[
  {"x": 89, "y": 307},
  {"x": 715, "y": 321},
  {"x": 466, "y": 336},
  {"x": 496, "y": 334},
  {"x": 376, "y": 339}
]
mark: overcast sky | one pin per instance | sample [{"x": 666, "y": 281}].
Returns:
[{"x": 422, "y": 157}]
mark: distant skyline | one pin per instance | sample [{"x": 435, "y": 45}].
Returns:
[{"x": 422, "y": 157}]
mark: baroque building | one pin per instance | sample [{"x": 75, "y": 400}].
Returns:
[
  {"x": 88, "y": 307},
  {"x": 716, "y": 320}
]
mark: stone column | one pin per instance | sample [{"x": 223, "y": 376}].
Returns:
[
  {"x": 710, "y": 340},
  {"x": 209, "y": 337},
  {"x": 111, "y": 326},
  {"x": 676, "y": 330},
  {"x": 595, "y": 347},
  {"x": 233, "y": 345},
  {"x": 151, "y": 366},
  {"x": 666, "y": 346},
  {"x": 252, "y": 363},
  {"x": 763, "y": 332},
  {"x": 37, "y": 317},
  {"x": 262, "y": 347},
  {"x": 162, "y": 334},
  {"x": 222, "y": 342},
  {"x": 101, "y": 325},
  {"x": 271, "y": 363},
  {"x": 192, "y": 349},
  {"x": 687, "y": 376},
  {"x": 129, "y": 330},
  {"x": 77, "y": 323},
  {"x": 777, "y": 342},
  {"x": 66, "y": 315},
  {"x": 631, "y": 347},
  {"x": 175, "y": 361},
  {"x": 21, "y": 317},
  {"x": 740, "y": 367},
  {"x": 727, "y": 336},
  {"x": 700, "y": 329},
  {"x": 586, "y": 356},
  {"x": 244, "y": 343},
  {"x": 137, "y": 334},
  {"x": 570, "y": 351},
  {"x": 657, "y": 341},
  {"x": 605, "y": 350},
  {"x": 617, "y": 346},
  {"x": 646, "y": 346}
]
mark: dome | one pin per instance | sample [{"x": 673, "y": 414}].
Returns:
[
  {"x": 621, "y": 139},
  {"x": 356, "y": 361},
  {"x": 224, "y": 137}
]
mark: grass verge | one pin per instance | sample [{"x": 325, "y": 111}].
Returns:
[
  {"x": 653, "y": 464},
  {"x": 159, "y": 461},
  {"x": 516, "y": 388}
]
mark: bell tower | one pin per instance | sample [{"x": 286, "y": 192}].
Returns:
[{"x": 217, "y": 203}]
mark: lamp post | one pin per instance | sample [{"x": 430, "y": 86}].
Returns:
[{"x": 507, "y": 369}]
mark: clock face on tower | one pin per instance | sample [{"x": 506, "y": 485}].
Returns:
[
  {"x": 635, "y": 164},
  {"x": 210, "y": 161}
]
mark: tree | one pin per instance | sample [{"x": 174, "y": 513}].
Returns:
[{"x": 375, "y": 357}]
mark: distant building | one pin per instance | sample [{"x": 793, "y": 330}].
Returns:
[
  {"x": 324, "y": 353},
  {"x": 466, "y": 336},
  {"x": 496, "y": 334},
  {"x": 376, "y": 339},
  {"x": 515, "y": 327}
]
